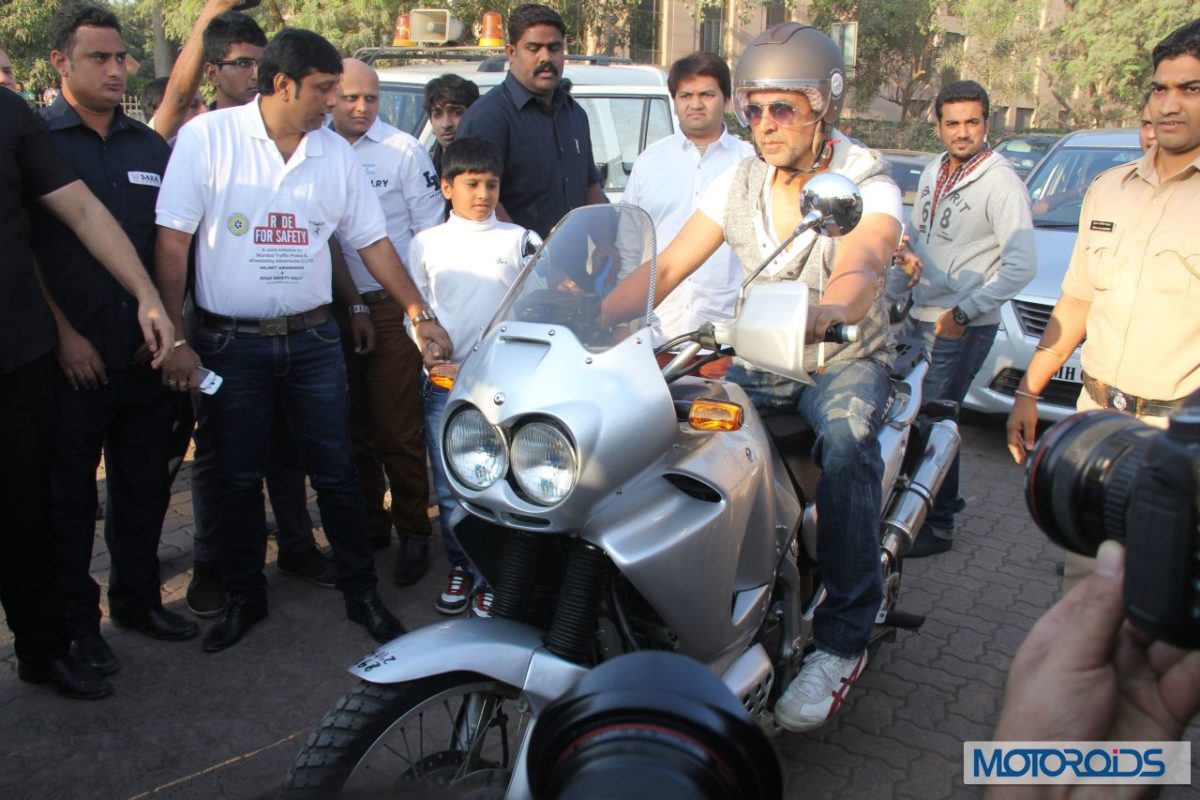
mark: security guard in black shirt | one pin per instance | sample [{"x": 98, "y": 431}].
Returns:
[{"x": 111, "y": 398}]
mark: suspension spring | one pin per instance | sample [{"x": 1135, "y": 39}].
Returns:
[
  {"x": 578, "y": 612},
  {"x": 515, "y": 577}
]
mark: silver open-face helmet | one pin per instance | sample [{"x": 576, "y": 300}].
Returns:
[{"x": 793, "y": 57}]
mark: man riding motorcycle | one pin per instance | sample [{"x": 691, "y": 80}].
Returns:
[{"x": 789, "y": 87}]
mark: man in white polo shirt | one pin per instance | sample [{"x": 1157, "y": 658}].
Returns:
[
  {"x": 265, "y": 186},
  {"x": 701, "y": 150},
  {"x": 386, "y": 417}
]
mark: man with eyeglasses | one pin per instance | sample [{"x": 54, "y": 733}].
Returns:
[
  {"x": 224, "y": 47},
  {"x": 789, "y": 87}
]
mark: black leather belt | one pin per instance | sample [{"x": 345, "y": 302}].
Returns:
[
  {"x": 1107, "y": 396},
  {"x": 377, "y": 296},
  {"x": 275, "y": 326}
]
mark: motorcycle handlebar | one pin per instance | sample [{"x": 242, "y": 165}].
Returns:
[{"x": 841, "y": 333}]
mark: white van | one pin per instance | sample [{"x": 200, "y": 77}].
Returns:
[{"x": 628, "y": 106}]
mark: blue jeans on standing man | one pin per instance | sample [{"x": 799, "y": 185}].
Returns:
[
  {"x": 298, "y": 380},
  {"x": 953, "y": 364},
  {"x": 845, "y": 409}
]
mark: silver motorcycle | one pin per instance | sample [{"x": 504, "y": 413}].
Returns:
[{"x": 616, "y": 502}]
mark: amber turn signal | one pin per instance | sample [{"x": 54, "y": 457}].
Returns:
[
  {"x": 713, "y": 415},
  {"x": 443, "y": 375}
]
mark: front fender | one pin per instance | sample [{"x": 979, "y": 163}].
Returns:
[{"x": 501, "y": 649}]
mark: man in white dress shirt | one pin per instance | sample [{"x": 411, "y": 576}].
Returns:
[
  {"x": 702, "y": 148},
  {"x": 382, "y": 362}
]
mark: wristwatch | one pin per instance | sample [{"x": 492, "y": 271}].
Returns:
[
  {"x": 960, "y": 316},
  {"x": 360, "y": 309},
  {"x": 426, "y": 315}
]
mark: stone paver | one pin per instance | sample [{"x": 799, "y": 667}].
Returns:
[{"x": 183, "y": 724}]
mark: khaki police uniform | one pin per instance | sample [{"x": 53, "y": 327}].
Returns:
[{"x": 1137, "y": 261}]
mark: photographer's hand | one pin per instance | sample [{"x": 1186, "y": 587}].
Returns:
[{"x": 1083, "y": 674}]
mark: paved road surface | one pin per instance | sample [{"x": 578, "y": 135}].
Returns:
[{"x": 184, "y": 724}]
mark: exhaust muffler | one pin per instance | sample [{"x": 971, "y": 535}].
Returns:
[{"x": 911, "y": 503}]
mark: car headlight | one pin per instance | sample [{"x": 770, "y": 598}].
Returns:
[
  {"x": 475, "y": 450},
  {"x": 543, "y": 463}
]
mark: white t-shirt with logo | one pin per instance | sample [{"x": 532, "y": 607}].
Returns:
[
  {"x": 404, "y": 180},
  {"x": 262, "y": 225}
]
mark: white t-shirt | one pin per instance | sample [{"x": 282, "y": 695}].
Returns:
[
  {"x": 879, "y": 197},
  {"x": 463, "y": 270},
  {"x": 404, "y": 180},
  {"x": 262, "y": 225},
  {"x": 660, "y": 184}
]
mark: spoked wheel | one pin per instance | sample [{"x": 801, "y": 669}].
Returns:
[{"x": 461, "y": 731}]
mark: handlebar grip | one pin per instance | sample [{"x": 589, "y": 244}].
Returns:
[{"x": 841, "y": 333}]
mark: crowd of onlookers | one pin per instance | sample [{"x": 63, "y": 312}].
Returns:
[{"x": 272, "y": 278}]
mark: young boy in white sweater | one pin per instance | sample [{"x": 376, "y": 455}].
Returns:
[{"x": 463, "y": 268}]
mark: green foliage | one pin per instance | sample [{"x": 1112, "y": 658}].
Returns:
[
  {"x": 898, "y": 47},
  {"x": 23, "y": 28},
  {"x": 1103, "y": 47},
  {"x": 1005, "y": 40},
  {"x": 1095, "y": 59}
]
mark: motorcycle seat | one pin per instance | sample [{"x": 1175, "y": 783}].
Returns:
[{"x": 794, "y": 439}]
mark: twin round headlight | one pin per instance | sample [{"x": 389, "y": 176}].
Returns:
[{"x": 543, "y": 459}]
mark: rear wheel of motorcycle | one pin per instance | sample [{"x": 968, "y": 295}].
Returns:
[{"x": 460, "y": 731}]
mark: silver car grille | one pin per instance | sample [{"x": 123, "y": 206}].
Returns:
[{"x": 1032, "y": 316}]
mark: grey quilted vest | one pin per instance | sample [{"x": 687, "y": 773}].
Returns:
[{"x": 745, "y": 206}]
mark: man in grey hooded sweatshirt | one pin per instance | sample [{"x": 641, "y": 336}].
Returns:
[{"x": 972, "y": 230}]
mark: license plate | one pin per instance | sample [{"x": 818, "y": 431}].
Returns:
[{"x": 1069, "y": 373}]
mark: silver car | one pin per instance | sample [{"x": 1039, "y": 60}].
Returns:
[{"x": 1056, "y": 187}]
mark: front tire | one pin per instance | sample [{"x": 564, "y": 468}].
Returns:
[{"x": 459, "y": 730}]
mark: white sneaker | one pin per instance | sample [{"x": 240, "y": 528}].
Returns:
[
  {"x": 481, "y": 603},
  {"x": 818, "y": 691}
]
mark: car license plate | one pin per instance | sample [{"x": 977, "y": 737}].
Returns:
[{"x": 1071, "y": 373}]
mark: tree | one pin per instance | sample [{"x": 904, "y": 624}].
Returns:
[
  {"x": 898, "y": 48},
  {"x": 1005, "y": 48},
  {"x": 1099, "y": 64},
  {"x": 24, "y": 35}
]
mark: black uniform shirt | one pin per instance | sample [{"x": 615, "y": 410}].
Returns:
[
  {"x": 30, "y": 167},
  {"x": 124, "y": 171},
  {"x": 547, "y": 152}
]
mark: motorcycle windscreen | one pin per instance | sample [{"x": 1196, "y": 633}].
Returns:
[{"x": 587, "y": 254}]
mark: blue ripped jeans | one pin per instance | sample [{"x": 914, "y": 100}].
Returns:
[
  {"x": 844, "y": 408},
  {"x": 953, "y": 364}
]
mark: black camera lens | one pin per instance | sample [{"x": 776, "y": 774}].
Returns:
[
  {"x": 651, "y": 726},
  {"x": 1080, "y": 475}
]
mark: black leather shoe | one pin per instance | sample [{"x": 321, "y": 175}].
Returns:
[
  {"x": 70, "y": 677},
  {"x": 160, "y": 624},
  {"x": 95, "y": 652},
  {"x": 205, "y": 595},
  {"x": 240, "y": 615},
  {"x": 929, "y": 544},
  {"x": 312, "y": 565},
  {"x": 368, "y": 610},
  {"x": 412, "y": 562}
]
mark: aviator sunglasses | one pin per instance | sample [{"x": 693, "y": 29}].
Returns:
[{"x": 783, "y": 113}]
